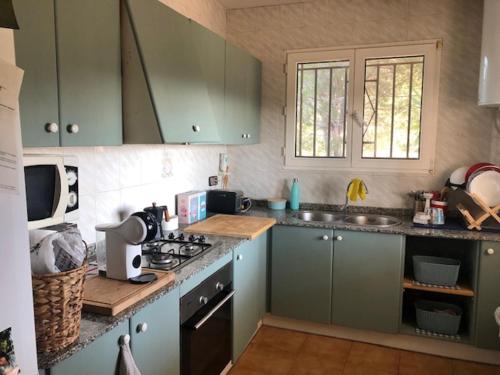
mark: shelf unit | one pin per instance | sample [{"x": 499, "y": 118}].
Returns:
[{"x": 462, "y": 295}]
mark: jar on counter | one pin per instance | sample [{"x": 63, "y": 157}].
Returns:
[{"x": 438, "y": 212}]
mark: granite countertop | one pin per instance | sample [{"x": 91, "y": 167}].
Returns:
[
  {"x": 95, "y": 325},
  {"x": 286, "y": 217}
]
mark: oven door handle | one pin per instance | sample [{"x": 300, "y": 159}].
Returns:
[{"x": 214, "y": 310}]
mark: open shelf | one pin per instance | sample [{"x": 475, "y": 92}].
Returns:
[
  {"x": 459, "y": 290},
  {"x": 410, "y": 328}
]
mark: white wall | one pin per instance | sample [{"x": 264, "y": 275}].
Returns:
[
  {"x": 464, "y": 130},
  {"x": 16, "y": 303}
]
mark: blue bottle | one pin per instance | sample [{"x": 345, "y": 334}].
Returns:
[{"x": 295, "y": 195}]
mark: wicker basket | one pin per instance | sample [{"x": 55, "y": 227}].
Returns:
[{"x": 58, "y": 299}]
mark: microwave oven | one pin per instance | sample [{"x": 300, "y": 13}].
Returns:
[{"x": 51, "y": 189}]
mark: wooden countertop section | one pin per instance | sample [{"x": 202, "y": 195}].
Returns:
[{"x": 248, "y": 227}]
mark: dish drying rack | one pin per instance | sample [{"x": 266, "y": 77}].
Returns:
[{"x": 475, "y": 211}]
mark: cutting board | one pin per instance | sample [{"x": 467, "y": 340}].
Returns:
[
  {"x": 248, "y": 227},
  {"x": 110, "y": 297}
]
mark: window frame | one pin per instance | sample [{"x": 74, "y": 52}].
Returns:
[{"x": 357, "y": 56}]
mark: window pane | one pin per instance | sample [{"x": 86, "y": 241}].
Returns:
[
  {"x": 321, "y": 109},
  {"x": 392, "y": 107}
]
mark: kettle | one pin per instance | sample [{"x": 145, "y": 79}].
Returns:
[{"x": 157, "y": 212}]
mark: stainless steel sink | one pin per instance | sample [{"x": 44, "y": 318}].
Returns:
[
  {"x": 372, "y": 220},
  {"x": 325, "y": 217}
]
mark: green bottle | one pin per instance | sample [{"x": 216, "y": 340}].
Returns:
[{"x": 295, "y": 195}]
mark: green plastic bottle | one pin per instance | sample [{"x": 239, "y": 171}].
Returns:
[{"x": 295, "y": 195}]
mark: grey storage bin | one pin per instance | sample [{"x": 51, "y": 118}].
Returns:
[
  {"x": 436, "y": 270},
  {"x": 438, "y": 317}
]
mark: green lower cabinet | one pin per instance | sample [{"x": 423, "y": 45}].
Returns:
[
  {"x": 367, "y": 280},
  {"x": 155, "y": 334},
  {"x": 488, "y": 296},
  {"x": 100, "y": 357},
  {"x": 248, "y": 300},
  {"x": 301, "y": 281}
]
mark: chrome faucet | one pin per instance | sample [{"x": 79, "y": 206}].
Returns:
[{"x": 343, "y": 209}]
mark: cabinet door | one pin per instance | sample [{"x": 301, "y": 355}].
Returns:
[
  {"x": 243, "y": 91},
  {"x": 35, "y": 45},
  {"x": 301, "y": 276},
  {"x": 100, "y": 357},
  {"x": 367, "y": 280},
  {"x": 210, "y": 49},
  {"x": 488, "y": 298},
  {"x": 167, "y": 45},
  {"x": 156, "y": 336},
  {"x": 263, "y": 271},
  {"x": 246, "y": 300},
  {"x": 89, "y": 65}
]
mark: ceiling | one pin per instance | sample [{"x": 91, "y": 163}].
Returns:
[{"x": 236, "y": 4}]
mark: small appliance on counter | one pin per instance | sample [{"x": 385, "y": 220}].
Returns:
[
  {"x": 227, "y": 202},
  {"x": 123, "y": 244}
]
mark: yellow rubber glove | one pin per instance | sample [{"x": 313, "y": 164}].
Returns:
[
  {"x": 362, "y": 190},
  {"x": 352, "y": 192}
]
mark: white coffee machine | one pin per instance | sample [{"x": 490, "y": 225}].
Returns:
[{"x": 123, "y": 244}]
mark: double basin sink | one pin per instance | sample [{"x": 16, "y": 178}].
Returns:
[{"x": 382, "y": 221}]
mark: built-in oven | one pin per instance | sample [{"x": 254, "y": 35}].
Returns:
[{"x": 206, "y": 325}]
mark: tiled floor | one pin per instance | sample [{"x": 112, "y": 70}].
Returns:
[{"x": 279, "y": 351}]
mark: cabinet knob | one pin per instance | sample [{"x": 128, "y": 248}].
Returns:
[
  {"x": 142, "y": 327},
  {"x": 249, "y": 135},
  {"x": 203, "y": 300},
  {"x": 52, "y": 128},
  {"x": 73, "y": 128},
  {"x": 196, "y": 128},
  {"x": 125, "y": 339},
  {"x": 325, "y": 238},
  {"x": 239, "y": 257},
  {"x": 339, "y": 238},
  {"x": 490, "y": 251},
  {"x": 219, "y": 286}
]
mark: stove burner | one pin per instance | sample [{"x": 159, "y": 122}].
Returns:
[{"x": 164, "y": 261}]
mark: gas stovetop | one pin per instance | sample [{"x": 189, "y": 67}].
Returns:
[{"x": 173, "y": 252}]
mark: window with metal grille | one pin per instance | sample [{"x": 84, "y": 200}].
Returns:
[
  {"x": 370, "y": 108},
  {"x": 392, "y": 107},
  {"x": 321, "y": 109}
]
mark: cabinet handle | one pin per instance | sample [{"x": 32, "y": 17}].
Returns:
[
  {"x": 203, "y": 300},
  {"x": 339, "y": 238},
  {"x": 219, "y": 286},
  {"x": 196, "y": 128},
  {"x": 490, "y": 251},
  {"x": 73, "y": 128},
  {"x": 52, "y": 128},
  {"x": 325, "y": 238},
  {"x": 142, "y": 327},
  {"x": 239, "y": 257},
  {"x": 243, "y": 136},
  {"x": 124, "y": 339},
  {"x": 249, "y": 135}
]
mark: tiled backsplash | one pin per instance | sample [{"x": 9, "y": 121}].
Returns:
[
  {"x": 117, "y": 181},
  {"x": 464, "y": 129}
]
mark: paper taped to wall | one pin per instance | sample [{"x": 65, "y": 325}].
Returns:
[{"x": 10, "y": 83}]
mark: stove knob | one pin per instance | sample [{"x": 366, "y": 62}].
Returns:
[
  {"x": 203, "y": 300},
  {"x": 181, "y": 236},
  {"x": 171, "y": 236},
  {"x": 201, "y": 238},
  {"x": 219, "y": 286},
  {"x": 191, "y": 238}
]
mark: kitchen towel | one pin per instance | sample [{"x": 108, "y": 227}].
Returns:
[{"x": 127, "y": 363}]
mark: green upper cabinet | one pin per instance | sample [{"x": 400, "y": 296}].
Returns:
[
  {"x": 72, "y": 72},
  {"x": 89, "y": 65},
  {"x": 367, "y": 280},
  {"x": 35, "y": 46},
  {"x": 155, "y": 333},
  {"x": 100, "y": 357},
  {"x": 248, "y": 300},
  {"x": 488, "y": 296},
  {"x": 181, "y": 73},
  {"x": 243, "y": 96},
  {"x": 301, "y": 276}
]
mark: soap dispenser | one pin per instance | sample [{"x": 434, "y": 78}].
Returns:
[{"x": 295, "y": 195}]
